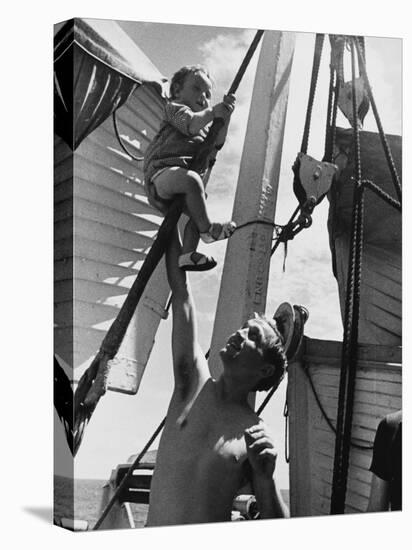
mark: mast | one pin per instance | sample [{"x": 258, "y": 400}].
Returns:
[{"x": 245, "y": 275}]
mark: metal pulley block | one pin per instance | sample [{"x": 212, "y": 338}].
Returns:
[
  {"x": 345, "y": 101},
  {"x": 312, "y": 180},
  {"x": 291, "y": 321}
]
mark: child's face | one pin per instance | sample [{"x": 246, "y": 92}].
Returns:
[{"x": 195, "y": 92}]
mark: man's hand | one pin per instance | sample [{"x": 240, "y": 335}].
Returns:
[
  {"x": 260, "y": 451},
  {"x": 262, "y": 457}
]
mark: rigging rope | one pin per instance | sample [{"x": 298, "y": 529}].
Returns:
[
  {"x": 382, "y": 194},
  {"x": 386, "y": 148},
  {"x": 324, "y": 414},
  {"x": 128, "y": 475},
  {"x": 349, "y": 347},
  {"x": 315, "y": 72},
  {"x": 119, "y": 139}
]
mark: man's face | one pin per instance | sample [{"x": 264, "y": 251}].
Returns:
[
  {"x": 247, "y": 345},
  {"x": 196, "y": 92}
]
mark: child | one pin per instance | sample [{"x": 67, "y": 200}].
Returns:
[{"x": 167, "y": 160}]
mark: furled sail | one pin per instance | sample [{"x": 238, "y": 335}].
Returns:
[
  {"x": 96, "y": 68},
  {"x": 380, "y": 320}
]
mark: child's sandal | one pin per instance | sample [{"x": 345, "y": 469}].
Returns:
[
  {"x": 195, "y": 261},
  {"x": 226, "y": 230}
]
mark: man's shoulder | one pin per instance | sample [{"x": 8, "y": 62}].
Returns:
[
  {"x": 391, "y": 422},
  {"x": 394, "y": 419}
]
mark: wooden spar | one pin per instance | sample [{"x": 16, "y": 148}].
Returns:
[{"x": 245, "y": 275}]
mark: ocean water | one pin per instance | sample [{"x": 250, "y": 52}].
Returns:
[
  {"x": 87, "y": 502},
  {"x": 86, "y": 495}
]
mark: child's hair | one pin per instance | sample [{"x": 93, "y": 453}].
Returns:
[{"x": 178, "y": 79}]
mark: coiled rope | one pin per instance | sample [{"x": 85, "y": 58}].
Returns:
[{"x": 120, "y": 140}]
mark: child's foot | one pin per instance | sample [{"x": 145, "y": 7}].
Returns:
[
  {"x": 218, "y": 232},
  {"x": 195, "y": 261}
]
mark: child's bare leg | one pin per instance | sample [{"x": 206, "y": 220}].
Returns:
[
  {"x": 179, "y": 181},
  {"x": 190, "y": 237}
]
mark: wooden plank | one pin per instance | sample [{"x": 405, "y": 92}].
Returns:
[
  {"x": 91, "y": 270},
  {"x": 132, "y": 131},
  {"x": 117, "y": 219},
  {"x": 106, "y": 253},
  {"x": 355, "y": 502},
  {"x": 107, "y": 176},
  {"x": 108, "y": 156},
  {"x": 145, "y": 118},
  {"x": 375, "y": 402},
  {"x": 102, "y": 233},
  {"x": 63, "y": 190},
  {"x": 389, "y": 372},
  {"x": 63, "y": 210},
  {"x": 63, "y": 248},
  {"x": 143, "y": 107},
  {"x": 149, "y": 96},
  {"x": 97, "y": 315},
  {"x": 99, "y": 293},
  {"x": 329, "y": 349},
  {"x": 327, "y": 384},
  {"x": 64, "y": 170},
  {"x": 117, "y": 201},
  {"x": 130, "y": 196}
]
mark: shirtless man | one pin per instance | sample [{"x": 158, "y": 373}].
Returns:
[{"x": 211, "y": 431}]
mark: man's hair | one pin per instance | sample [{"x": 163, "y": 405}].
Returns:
[
  {"x": 274, "y": 354},
  {"x": 178, "y": 79}
]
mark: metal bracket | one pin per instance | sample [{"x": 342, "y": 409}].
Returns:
[
  {"x": 313, "y": 180},
  {"x": 345, "y": 101},
  {"x": 291, "y": 321}
]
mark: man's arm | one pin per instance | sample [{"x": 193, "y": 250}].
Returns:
[
  {"x": 379, "y": 495},
  {"x": 262, "y": 457},
  {"x": 189, "y": 364}
]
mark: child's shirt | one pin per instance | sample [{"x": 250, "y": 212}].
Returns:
[{"x": 173, "y": 145}]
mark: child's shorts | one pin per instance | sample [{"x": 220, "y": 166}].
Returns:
[{"x": 152, "y": 195}]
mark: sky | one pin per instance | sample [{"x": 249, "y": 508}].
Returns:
[{"x": 121, "y": 424}]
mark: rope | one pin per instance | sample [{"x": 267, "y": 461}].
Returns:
[
  {"x": 324, "y": 414},
  {"x": 328, "y": 136},
  {"x": 257, "y": 221},
  {"x": 382, "y": 194},
  {"x": 315, "y": 71},
  {"x": 349, "y": 348},
  {"x": 386, "y": 148},
  {"x": 286, "y": 417},
  {"x": 128, "y": 475},
  {"x": 119, "y": 139}
]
